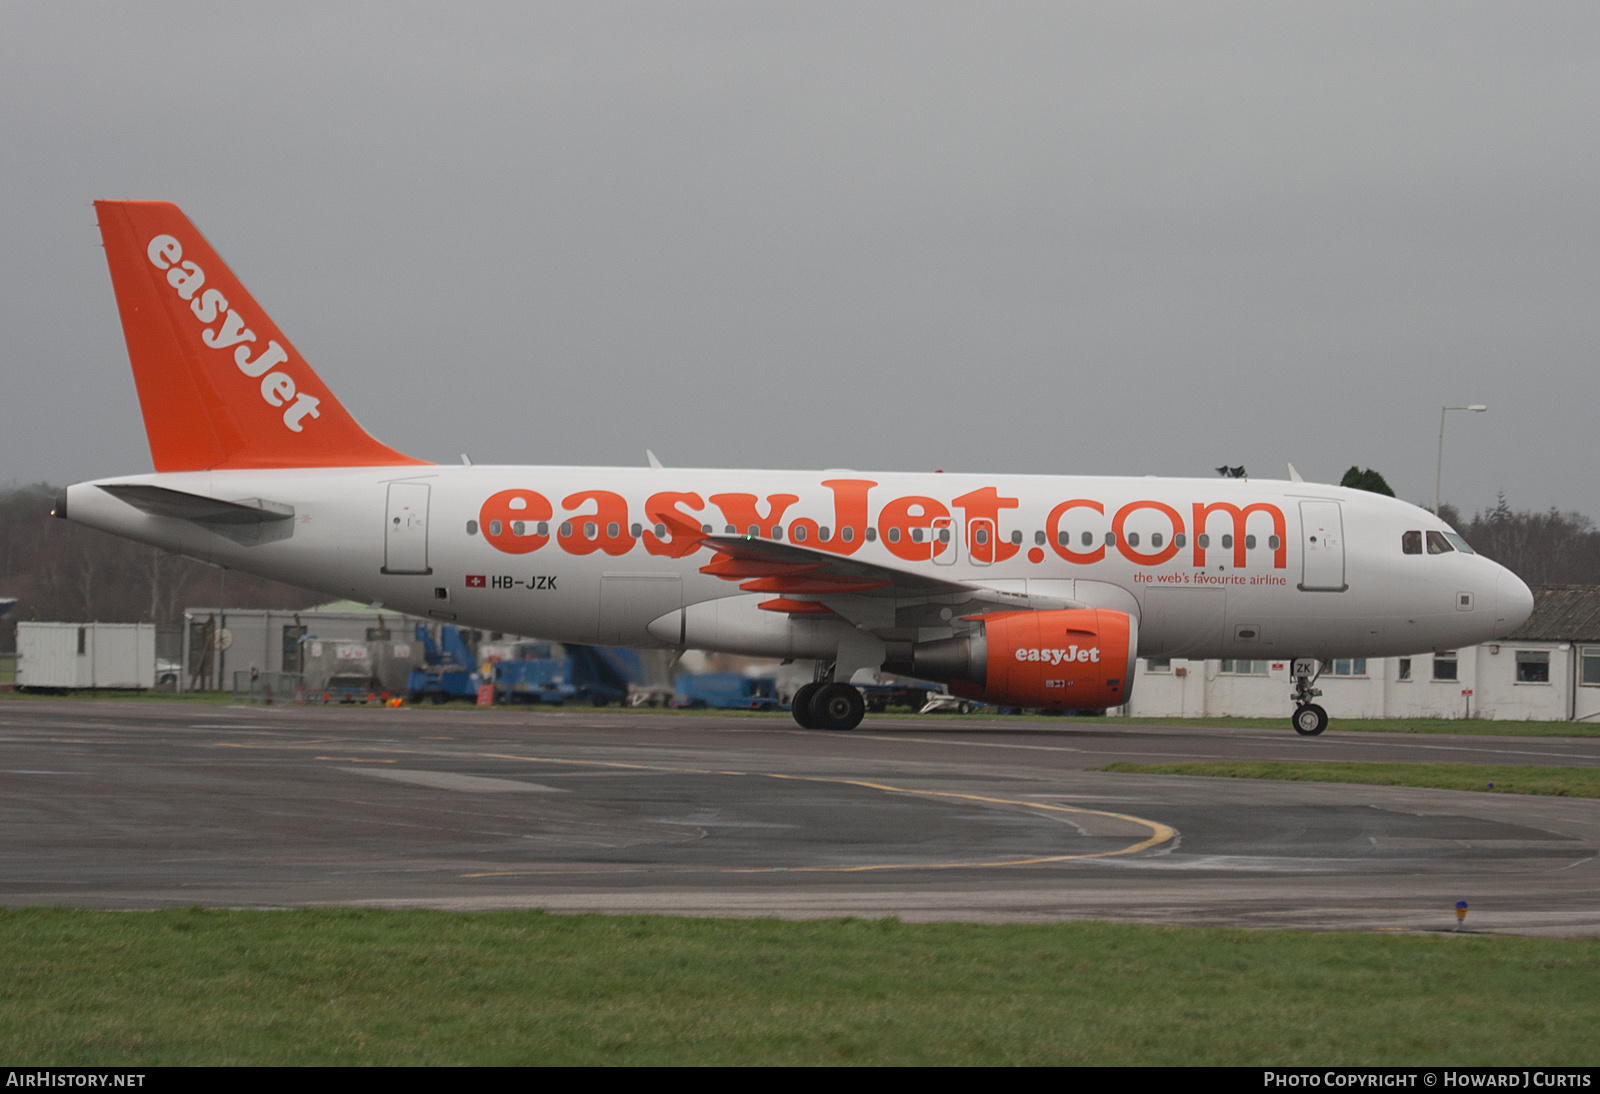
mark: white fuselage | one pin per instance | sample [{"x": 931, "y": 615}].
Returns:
[{"x": 1285, "y": 569}]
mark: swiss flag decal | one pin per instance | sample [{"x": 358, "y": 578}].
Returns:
[{"x": 477, "y": 581}]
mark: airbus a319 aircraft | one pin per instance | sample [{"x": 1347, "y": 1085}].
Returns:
[{"x": 1023, "y": 590}]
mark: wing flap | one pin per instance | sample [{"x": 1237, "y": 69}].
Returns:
[{"x": 765, "y": 565}]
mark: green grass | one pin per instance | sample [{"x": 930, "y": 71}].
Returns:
[
  {"x": 108, "y": 695},
  {"x": 375, "y": 987},
  {"x": 1564, "y": 782},
  {"x": 1389, "y": 725},
  {"x": 1273, "y": 725}
]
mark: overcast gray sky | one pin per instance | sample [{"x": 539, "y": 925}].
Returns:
[{"x": 1057, "y": 238}]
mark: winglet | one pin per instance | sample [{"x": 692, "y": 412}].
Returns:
[
  {"x": 1294, "y": 476},
  {"x": 219, "y": 384}
]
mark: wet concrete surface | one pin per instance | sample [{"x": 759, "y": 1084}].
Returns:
[{"x": 143, "y": 804}]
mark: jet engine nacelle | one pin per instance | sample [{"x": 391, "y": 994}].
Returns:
[{"x": 1073, "y": 659}]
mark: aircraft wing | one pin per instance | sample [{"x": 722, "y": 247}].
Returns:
[{"x": 804, "y": 580}]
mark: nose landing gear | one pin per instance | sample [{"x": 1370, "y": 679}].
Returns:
[{"x": 1309, "y": 718}]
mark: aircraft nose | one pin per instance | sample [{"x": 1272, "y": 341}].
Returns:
[{"x": 1513, "y": 599}]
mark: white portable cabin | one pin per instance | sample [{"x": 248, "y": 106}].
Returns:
[{"x": 86, "y": 655}]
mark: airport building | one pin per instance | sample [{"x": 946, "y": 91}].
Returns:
[
  {"x": 270, "y": 641},
  {"x": 1546, "y": 670}
]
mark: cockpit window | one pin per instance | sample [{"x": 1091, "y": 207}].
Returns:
[
  {"x": 1411, "y": 543},
  {"x": 1460, "y": 544},
  {"x": 1438, "y": 545}
]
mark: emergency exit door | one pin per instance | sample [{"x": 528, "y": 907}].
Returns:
[
  {"x": 405, "y": 531},
  {"x": 980, "y": 541}
]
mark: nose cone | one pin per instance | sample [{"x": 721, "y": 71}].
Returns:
[{"x": 1513, "y": 600}]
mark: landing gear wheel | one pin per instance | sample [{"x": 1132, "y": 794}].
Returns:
[
  {"x": 801, "y": 705},
  {"x": 1309, "y": 720},
  {"x": 837, "y": 706}
]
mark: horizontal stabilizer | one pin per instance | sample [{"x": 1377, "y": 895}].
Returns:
[{"x": 248, "y": 521}]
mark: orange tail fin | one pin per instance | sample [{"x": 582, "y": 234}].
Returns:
[{"x": 219, "y": 384}]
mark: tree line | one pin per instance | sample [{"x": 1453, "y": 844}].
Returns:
[{"x": 1549, "y": 548}]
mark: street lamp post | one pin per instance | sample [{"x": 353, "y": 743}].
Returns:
[{"x": 1438, "y": 474}]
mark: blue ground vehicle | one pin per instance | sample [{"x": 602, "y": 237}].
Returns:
[
  {"x": 449, "y": 668},
  {"x": 597, "y": 675},
  {"x": 726, "y": 691}
]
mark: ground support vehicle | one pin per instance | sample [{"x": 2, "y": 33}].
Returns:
[
  {"x": 725, "y": 691},
  {"x": 449, "y": 668},
  {"x": 597, "y": 675}
]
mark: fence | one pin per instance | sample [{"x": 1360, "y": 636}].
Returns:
[{"x": 267, "y": 688}]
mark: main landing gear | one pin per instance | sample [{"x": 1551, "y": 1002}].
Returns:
[
  {"x": 1309, "y": 718},
  {"x": 827, "y": 705}
]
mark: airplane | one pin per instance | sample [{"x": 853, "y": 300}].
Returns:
[{"x": 1036, "y": 591}]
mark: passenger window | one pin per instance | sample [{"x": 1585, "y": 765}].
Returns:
[
  {"x": 1179, "y": 539},
  {"x": 1273, "y": 542},
  {"x": 1088, "y": 539},
  {"x": 1155, "y": 539},
  {"x": 1227, "y": 543},
  {"x": 1438, "y": 545},
  {"x": 1133, "y": 539},
  {"x": 1202, "y": 541},
  {"x": 1111, "y": 539},
  {"x": 1249, "y": 543},
  {"x": 1411, "y": 543}
]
